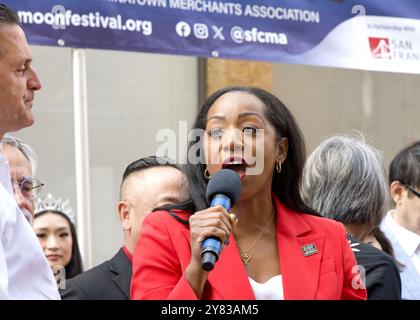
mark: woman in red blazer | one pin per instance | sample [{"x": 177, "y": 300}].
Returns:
[{"x": 278, "y": 248}]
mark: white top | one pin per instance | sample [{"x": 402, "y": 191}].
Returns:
[
  {"x": 409, "y": 241},
  {"x": 272, "y": 289},
  {"x": 24, "y": 270}
]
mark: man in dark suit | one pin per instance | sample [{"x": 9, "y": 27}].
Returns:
[{"x": 147, "y": 184}]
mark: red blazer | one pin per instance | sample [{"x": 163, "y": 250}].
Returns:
[{"x": 163, "y": 253}]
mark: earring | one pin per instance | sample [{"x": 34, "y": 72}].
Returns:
[
  {"x": 207, "y": 174},
  {"x": 278, "y": 166}
]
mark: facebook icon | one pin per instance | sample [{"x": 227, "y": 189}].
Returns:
[{"x": 183, "y": 29}]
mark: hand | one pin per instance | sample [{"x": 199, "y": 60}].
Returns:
[{"x": 214, "y": 221}]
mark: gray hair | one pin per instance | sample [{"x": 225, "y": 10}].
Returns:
[
  {"x": 26, "y": 150},
  {"x": 7, "y": 16},
  {"x": 344, "y": 179}
]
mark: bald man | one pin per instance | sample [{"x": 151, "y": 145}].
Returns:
[{"x": 147, "y": 184}]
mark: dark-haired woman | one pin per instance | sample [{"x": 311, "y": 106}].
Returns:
[
  {"x": 54, "y": 227},
  {"x": 278, "y": 248},
  {"x": 401, "y": 225}
]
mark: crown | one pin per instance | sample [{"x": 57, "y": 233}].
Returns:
[{"x": 51, "y": 204}]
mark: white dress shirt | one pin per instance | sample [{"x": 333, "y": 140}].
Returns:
[
  {"x": 409, "y": 241},
  {"x": 24, "y": 270},
  {"x": 272, "y": 289}
]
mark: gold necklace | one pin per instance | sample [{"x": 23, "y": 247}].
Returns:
[{"x": 245, "y": 256}]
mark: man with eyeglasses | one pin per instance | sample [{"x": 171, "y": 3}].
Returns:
[
  {"x": 402, "y": 225},
  {"x": 22, "y": 166},
  {"x": 24, "y": 270}
]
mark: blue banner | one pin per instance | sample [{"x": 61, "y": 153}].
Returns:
[{"x": 369, "y": 34}]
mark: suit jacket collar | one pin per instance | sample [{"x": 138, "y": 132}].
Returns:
[
  {"x": 120, "y": 265},
  {"x": 300, "y": 274}
]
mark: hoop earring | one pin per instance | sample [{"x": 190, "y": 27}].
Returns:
[
  {"x": 207, "y": 175},
  {"x": 278, "y": 166}
]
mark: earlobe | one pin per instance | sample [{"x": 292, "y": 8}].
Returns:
[{"x": 126, "y": 224}]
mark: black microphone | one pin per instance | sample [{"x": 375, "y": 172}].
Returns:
[{"x": 224, "y": 188}]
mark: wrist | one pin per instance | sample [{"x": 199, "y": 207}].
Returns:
[
  {"x": 196, "y": 277},
  {"x": 194, "y": 270}
]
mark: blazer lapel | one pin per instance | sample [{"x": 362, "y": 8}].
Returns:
[
  {"x": 300, "y": 254},
  {"x": 228, "y": 280},
  {"x": 121, "y": 266}
]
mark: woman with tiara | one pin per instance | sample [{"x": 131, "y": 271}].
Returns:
[{"x": 56, "y": 232}]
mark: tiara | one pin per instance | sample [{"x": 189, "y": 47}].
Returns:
[{"x": 51, "y": 204}]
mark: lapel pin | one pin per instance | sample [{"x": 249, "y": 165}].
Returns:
[{"x": 309, "y": 249}]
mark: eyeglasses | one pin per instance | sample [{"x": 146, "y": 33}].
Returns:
[
  {"x": 30, "y": 187},
  {"x": 416, "y": 193}
]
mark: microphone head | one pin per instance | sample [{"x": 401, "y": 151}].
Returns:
[{"x": 226, "y": 182}]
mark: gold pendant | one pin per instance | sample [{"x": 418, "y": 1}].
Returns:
[{"x": 246, "y": 257}]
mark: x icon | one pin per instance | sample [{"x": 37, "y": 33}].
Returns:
[{"x": 218, "y": 33}]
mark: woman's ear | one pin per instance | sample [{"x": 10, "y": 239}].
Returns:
[
  {"x": 396, "y": 189},
  {"x": 282, "y": 147}
]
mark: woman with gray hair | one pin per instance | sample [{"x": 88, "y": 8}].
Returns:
[{"x": 344, "y": 180}]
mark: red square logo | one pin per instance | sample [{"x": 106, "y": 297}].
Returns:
[{"x": 380, "y": 48}]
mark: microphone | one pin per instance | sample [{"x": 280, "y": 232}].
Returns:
[{"x": 224, "y": 188}]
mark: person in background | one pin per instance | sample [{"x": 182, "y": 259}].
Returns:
[
  {"x": 402, "y": 224},
  {"x": 22, "y": 167},
  {"x": 24, "y": 270},
  {"x": 344, "y": 180},
  {"x": 278, "y": 249},
  {"x": 147, "y": 184},
  {"x": 378, "y": 239},
  {"x": 56, "y": 232}
]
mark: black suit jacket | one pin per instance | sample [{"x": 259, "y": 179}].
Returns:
[
  {"x": 107, "y": 281},
  {"x": 383, "y": 280}
]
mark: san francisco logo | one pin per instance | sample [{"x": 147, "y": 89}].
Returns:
[
  {"x": 393, "y": 49},
  {"x": 380, "y": 48}
]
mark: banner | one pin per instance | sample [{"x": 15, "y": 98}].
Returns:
[{"x": 368, "y": 35}]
